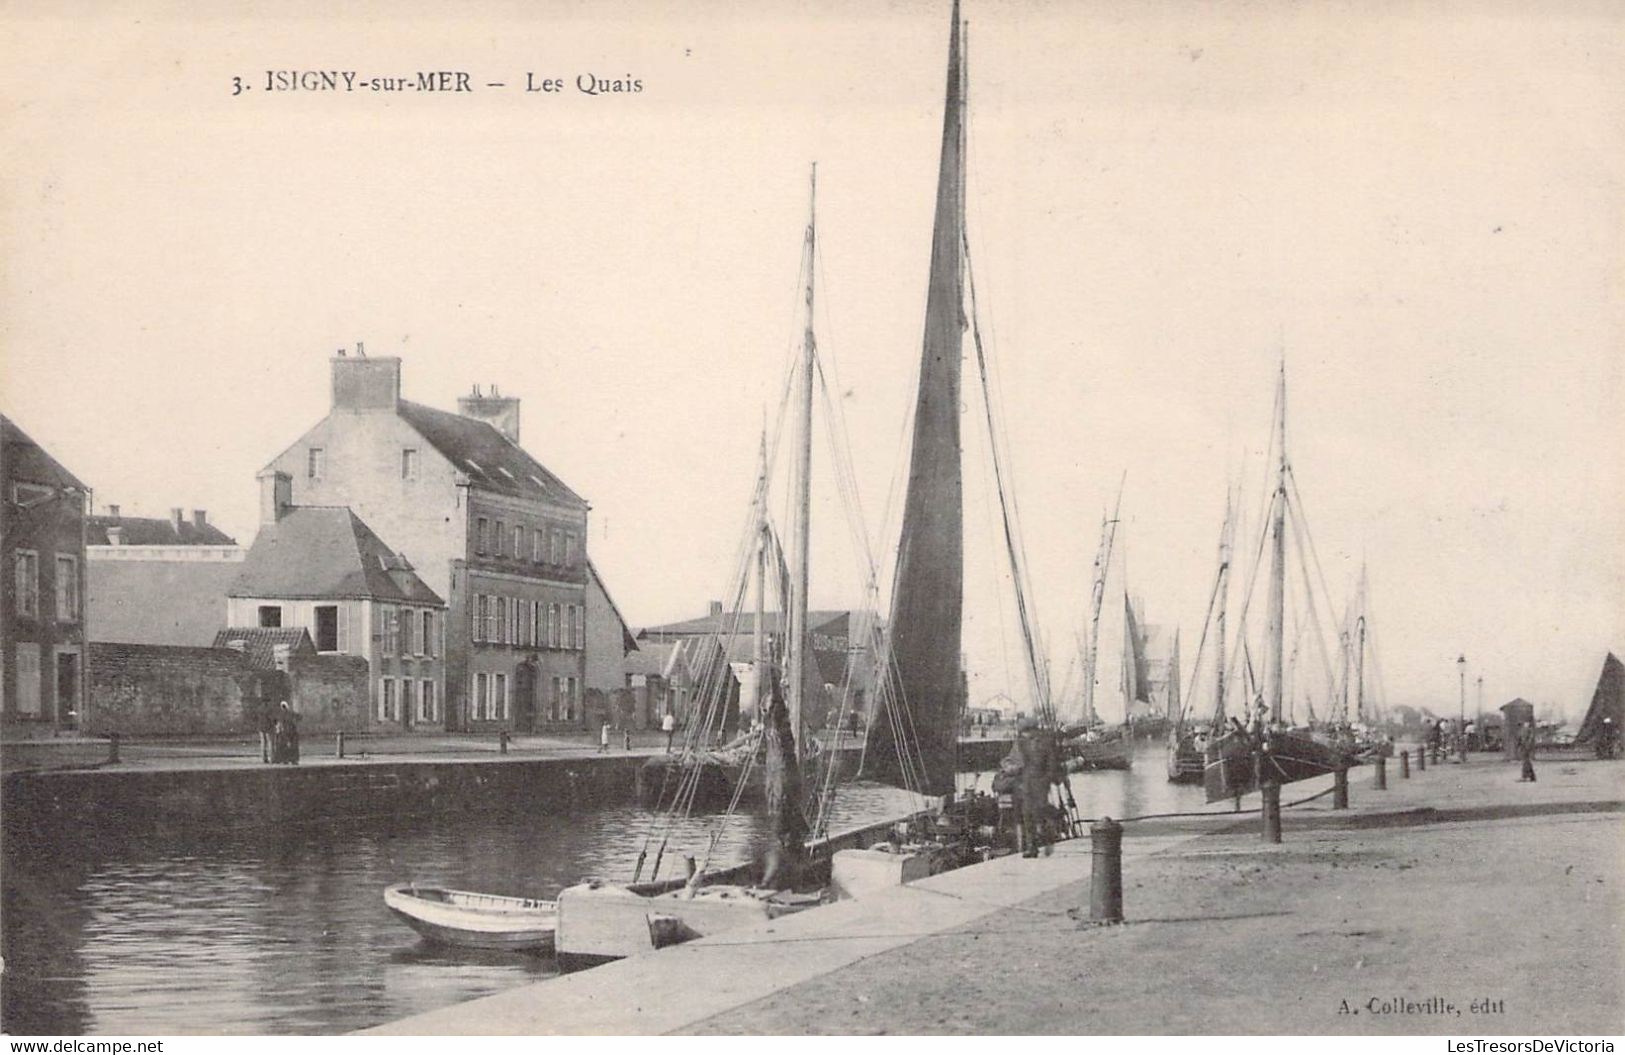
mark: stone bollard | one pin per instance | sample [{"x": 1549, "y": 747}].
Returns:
[
  {"x": 112, "y": 747},
  {"x": 1340, "y": 789},
  {"x": 1379, "y": 773},
  {"x": 1272, "y": 812},
  {"x": 338, "y": 744},
  {"x": 502, "y": 742},
  {"x": 1404, "y": 765},
  {"x": 1106, "y": 871},
  {"x": 1422, "y": 759}
]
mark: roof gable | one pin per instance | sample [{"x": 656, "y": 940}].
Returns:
[
  {"x": 489, "y": 459},
  {"x": 28, "y": 461},
  {"x": 327, "y": 552}
]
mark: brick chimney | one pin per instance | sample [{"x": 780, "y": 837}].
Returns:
[
  {"x": 716, "y": 609},
  {"x": 276, "y": 495},
  {"x": 200, "y": 518},
  {"x": 499, "y": 411},
  {"x": 360, "y": 383},
  {"x": 112, "y": 511}
]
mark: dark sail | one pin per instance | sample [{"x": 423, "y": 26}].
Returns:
[
  {"x": 913, "y": 745},
  {"x": 1607, "y": 702}
]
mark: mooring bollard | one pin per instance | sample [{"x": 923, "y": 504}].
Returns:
[
  {"x": 1404, "y": 765},
  {"x": 1106, "y": 871},
  {"x": 112, "y": 747},
  {"x": 502, "y": 741},
  {"x": 1379, "y": 773},
  {"x": 1422, "y": 759},
  {"x": 338, "y": 744},
  {"x": 1340, "y": 789},
  {"x": 1272, "y": 812}
]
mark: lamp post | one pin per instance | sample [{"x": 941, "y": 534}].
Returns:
[{"x": 1461, "y": 722}]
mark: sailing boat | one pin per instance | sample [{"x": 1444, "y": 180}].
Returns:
[
  {"x": 1187, "y": 740},
  {"x": 1091, "y": 746},
  {"x": 920, "y": 656},
  {"x": 1238, "y": 758}
]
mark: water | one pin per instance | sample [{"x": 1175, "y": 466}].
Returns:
[{"x": 260, "y": 932}]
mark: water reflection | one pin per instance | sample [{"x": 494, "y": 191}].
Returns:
[{"x": 261, "y": 932}]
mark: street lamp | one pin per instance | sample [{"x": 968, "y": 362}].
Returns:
[{"x": 1461, "y": 723}]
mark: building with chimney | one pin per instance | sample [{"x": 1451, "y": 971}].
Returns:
[
  {"x": 322, "y": 570},
  {"x": 484, "y": 524},
  {"x": 843, "y": 644},
  {"x": 42, "y": 604},
  {"x": 158, "y": 580}
]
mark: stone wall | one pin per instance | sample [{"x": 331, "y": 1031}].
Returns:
[
  {"x": 330, "y": 693},
  {"x": 169, "y": 690}
]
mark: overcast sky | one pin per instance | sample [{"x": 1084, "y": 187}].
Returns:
[{"x": 1418, "y": 205}]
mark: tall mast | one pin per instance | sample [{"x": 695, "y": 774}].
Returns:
[
  {"x": 758, "y": 635},
  {"x": 1359, "y": 657},
  {"x": 1103, "y": 560},
  {"x": 797, "y": 622},
  {"x": 1224, "y": 598},
  {"x": 1277, "y": 597}
]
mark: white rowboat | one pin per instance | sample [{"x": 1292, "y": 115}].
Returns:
[{"x": 477, "y": 921}]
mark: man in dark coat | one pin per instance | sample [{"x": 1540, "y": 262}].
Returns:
[{"x": 1040, "y": 770}]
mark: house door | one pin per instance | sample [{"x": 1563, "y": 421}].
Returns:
[{"x": 67, "y": 687}]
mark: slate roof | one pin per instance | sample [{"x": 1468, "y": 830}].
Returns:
[
  {"x": 490, "y": 459},
  {"x": 154, "y": 531},
  {"x": 28, "y": 461},
  {"x": 260, "y": 642},
  {"x": 629, "y": 644},
  {"x": 322, "y": 552},
  {"x": 713, "y": 624}
]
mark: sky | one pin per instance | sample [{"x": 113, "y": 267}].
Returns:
[{"x": 1416, "y": 206}]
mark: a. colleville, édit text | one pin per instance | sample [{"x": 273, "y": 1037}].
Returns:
[{"x": 446, "y": 82}]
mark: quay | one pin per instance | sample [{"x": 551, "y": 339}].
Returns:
[
  {"x": 1456, "y": 901},
  {"x": 54, "y": 783}
]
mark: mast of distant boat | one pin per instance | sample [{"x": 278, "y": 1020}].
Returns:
[
  {"x": 1223, "y": 592},
  {"x": 1103, "y": 558},
  {"x": 1277, "y": 597}
]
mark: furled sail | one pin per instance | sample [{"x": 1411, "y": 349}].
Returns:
[{"x": 912, "y": 742}]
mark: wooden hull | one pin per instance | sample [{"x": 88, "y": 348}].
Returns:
[
  {"x": 1104, "y": 754},
  {"x": 476, "y": 921},
  {"x": 661, "y": 776},
  {"x": 1185, "y": 764},
  {"x": 1231, "y": 769},
  {"x": 599, "y": 922}
]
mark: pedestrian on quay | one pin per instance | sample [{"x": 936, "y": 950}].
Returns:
[
  {"x": 267, "y": 724},
  {"x": 285, "y": 749},
  {"x": 1607, "y": 738},
  {"x": 603, "y": 737},
  {"x": 626, "y": 738},
  {"x": 1040, "y": 769},
  {"x": 668, "y": 725},
  {"x": 1526, "y": 751},
  {"x": 1435, "y": 737}
]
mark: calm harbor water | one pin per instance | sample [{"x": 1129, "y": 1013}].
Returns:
[{"x": 278, "y": 932}]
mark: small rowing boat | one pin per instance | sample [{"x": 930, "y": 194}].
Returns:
[{"x": 478, "y": 921}]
